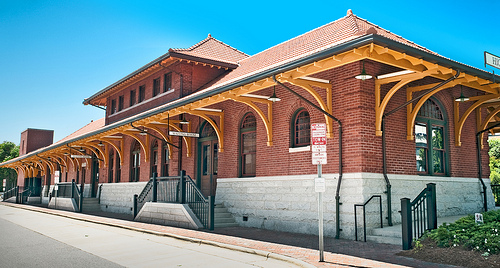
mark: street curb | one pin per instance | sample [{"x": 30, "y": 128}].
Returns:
[{"x": 262, "y": 253}]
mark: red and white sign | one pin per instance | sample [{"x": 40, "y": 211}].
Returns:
[
  {"x": 4, "y": 183},
  {"x": 56, "y": 176},
  {"x": 318, "y": 142}
]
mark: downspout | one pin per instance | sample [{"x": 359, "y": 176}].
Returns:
[
  {"x": 337, "y": 195},
  {"x": 479, "y": 166},
  {"x": 181, "y": 117},
  {"x": 384, "y": 147}
]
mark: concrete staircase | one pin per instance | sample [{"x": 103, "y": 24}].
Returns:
[
  {"x": 91, "y": 205},
  {"x": 393, "y": 234},
  {"x": 223, "y": 218}
]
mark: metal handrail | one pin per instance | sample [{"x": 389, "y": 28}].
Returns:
[
  {"x": 419, "y": 215},
  {"x": 139, "y": 200},
  {"x": 10, "y": 193},
  {"x": 24, "y": 195},
  {"x": 77, "y": 195},
  {"x": 364, "y": 216},
  {"x": 495, "y": 188},
  {"x": 64, "y": 189},
  {"x": 200, "y": 205},
  {"x": 177, "y": 189}
]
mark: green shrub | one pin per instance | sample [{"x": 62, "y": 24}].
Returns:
[{"x": 465, "y": 232}]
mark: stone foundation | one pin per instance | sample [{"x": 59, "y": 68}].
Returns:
[
  {"x": 290, "y": 204},
  {"x": 63, "y": 203},
  {"x": 178, "y": 215},
  {"x": 119, "y": 197}
]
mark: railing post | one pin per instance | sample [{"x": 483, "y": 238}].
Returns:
[
  {"x": 135, "y": 205},
  {"x": 182, "y": 188},
  {"x": 155, "y": 188},
  {"x": 431, "y": 206},
  {"x": 211, "y": 212},
  {"x": 80, "y": 204},
  {"x": 406, "y": 223},
  {"x": 355, "y": 223}
]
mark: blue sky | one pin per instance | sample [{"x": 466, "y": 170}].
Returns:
[{"x": 53, "y": 54}]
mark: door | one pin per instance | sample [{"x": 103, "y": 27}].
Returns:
[
  {"x": 208, "y": 167},
  {"x": 208, "y": 160},
  {"x": 95, "y": 176}
]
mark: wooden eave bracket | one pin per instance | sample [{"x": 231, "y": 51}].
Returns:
[
  {"x": 267, "y": 119},
  {"x": 460, "y": 120},
  {"x": 381, "y": 104},
  {"x": 154, "y": 126},
  {"x": 307, "y": 85},
  {"x": 218, "y": 129}
]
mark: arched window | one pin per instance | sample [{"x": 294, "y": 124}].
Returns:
[
  {"x": 154, "y": 159},
  {"x": 135, "y": 162},
  {"x": 430, "y": 139},
  {"x": 248, "y": 145},
  {"x": 301, "y": 131}
]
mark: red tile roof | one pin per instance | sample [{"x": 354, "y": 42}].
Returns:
[
  {"x": 321, "y": 38},
  {"x": 92, "y": 126},
  {"x": 213, "y": 49}
]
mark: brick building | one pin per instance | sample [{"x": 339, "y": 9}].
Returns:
[{"x": 253, "y": 153}]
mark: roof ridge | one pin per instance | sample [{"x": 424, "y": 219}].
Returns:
[
  {"x": 209, "y": 37},
  {"x": 354, "y": 22}
]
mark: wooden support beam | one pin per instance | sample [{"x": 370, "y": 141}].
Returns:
[{"x": 460, "y": 120}]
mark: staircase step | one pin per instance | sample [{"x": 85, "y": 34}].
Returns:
[
  {"x": 384, "y": 239},
  {"x": 223, "y": 225},
  {"x": 223, "y": 215},
  {"x": 391, "y": 231},
  {"x": 223, "y": 218}
]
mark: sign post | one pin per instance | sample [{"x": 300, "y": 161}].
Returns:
[{"x": 318, "y": 143}]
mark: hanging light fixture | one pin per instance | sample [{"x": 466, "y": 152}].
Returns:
[
  {"x": 462, "y": 98},
  {"x": 273, "y": 97},
  {"x": 100, "y": 144},
  {"x": 363, "y": 76},
  {"x": 184, "y": 122}
]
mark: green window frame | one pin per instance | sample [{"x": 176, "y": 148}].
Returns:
[
  {"x": 431, "y": 143},
  {"x": 248, "y": 146}
]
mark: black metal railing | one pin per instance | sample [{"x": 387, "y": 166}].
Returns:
[
  {"x": 419, "y": 215},
  {"x": 177, "y": 189},
  {"x": 364, "y": 216},
  {"x": 69, "y": 190},
  {"x": 77, "y": 195},
  {"x": 10, "y": 193},
  {"x": 143, "y": 197},
  {"x": 495, "y": 188},
  {"x": 24, "y": 195},
  {"x": 202, "y": 207},
  {"x": 63, "y": 189}
]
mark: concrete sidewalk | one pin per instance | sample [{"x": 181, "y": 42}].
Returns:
[{"x": 299, "y": 249}]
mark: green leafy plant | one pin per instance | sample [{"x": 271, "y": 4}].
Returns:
[{"x": 467, "y": 233}]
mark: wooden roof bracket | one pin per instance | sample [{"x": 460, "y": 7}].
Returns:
[{"x": 460, "y": 120}]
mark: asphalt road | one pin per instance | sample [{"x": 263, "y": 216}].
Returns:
[{"x": 32, "y": 239}]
